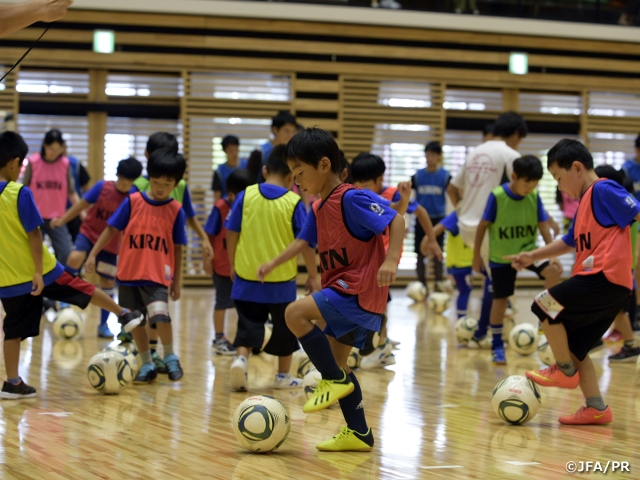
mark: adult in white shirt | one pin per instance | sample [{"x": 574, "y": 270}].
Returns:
[{"x": 487, "y": 167}]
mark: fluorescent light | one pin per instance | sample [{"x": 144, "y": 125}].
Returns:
[
  {"x": 104, "y": 41},
  {"x": 518, "y": 63},
  {"x": 31, "y": 88}
]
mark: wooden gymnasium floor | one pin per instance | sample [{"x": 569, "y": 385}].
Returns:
[{"x": 431, "y": 413}]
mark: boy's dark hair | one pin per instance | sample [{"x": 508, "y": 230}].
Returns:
[
  {"x": 129, "y": 168},
  {"x": 238, "y": 180},
  {"x": 344, "y": 163},
  {"x": 433, "y": 147},
  {"x": 162, "y": 140},
  {"x": 52, "y": 136},
  {"x": 509, "y": 123},
  {"x": 12, "y": 145},
  {"x": 229, "y": 140},
  {"x": 282, "y": 118},
  {"x": 488, "y": 129},
  {"x": 567, "y": 151},
  {"x": 638, "y": 141},
  {"x": 311, "y": 145},
  {"x": 528, "y": 167},
  {"x": 277, "y": 162},
  {"x": 618, "y": 176},
  {"x": 166, "y": 162},
  {"x": 367, "y": 166}
]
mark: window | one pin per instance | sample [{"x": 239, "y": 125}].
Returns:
[
  {"x": 37, "y": 81},
  {"x": 611, "y": 148},
  {"x": 75, "y": 131},
  {"x": 610, "y": 104},
  {"x": 241, "y": 86},
  {"x": 128, "y": 137},
  {"x": 405, "y": 94},
  {"x": 130, "y": 85},
  {"x": 552, "y": 103},
  {"x": 472, "y": 100}
]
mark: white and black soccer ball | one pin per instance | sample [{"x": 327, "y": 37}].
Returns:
[
  {"x": 130, "y": 352},
  {"x": 439, "y": 301},
  {"x": 416, "y": 291},
  {"x": 68, "y": 324},
  {"x": 523, "y": 338},
  {"x": 109, "y": 372},
  {"x": 545, "y": 354},
  {"x": 516, "y": 399},
  {"x": 354, "y": 359},
  {"x": 261, "y": 423},
  {"x": 465, "y": 327}
]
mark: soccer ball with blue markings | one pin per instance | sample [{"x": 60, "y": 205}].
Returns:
[
  {"x": 68, "y": 324},
  {"x": 439, "y": 301},
  {"x": 109, "y": 372},
  {"x": 465, "y": 327},
  {"x": 523, "y": 338},
  {"x": 516, "y": 399},
  {"x": 261, "y": 424}
]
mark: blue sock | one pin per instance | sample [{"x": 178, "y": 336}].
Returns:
[
  {"x": 353, "y": 409},
  {"x": 317, "y": 346},
  {"x": 485, "y": 311},
  {"x": 104, "y": 314},
  {"x": 14, "y": 381},
  {"x": 463, "y": 283},
  {"x": 496, "y": 334}
]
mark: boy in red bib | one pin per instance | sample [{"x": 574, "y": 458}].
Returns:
[
  {"x": 220, "y": 268},
  {"x": 154, "y": 231},
  {"x": 576, "y": 313},
  {"x": 104, "y": 198},
  {"x": 347, "y": 225}
]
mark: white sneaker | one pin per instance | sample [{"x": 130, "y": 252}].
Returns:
[
  {"x": 239, "y": 381},
  {"x": 483, "y": 344},
  {"x": 393, "y": 343},
  {"x": 286, "y": 380},
  {"x": 381, "y": 357},
  {"x": 392, "y": 4}
]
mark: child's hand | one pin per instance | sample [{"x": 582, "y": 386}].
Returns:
[
  {"x": 556, "y": 265},
  {"x": 430, "y": 246},
  {"x": 404, "y": 189},
  {"x": 55, "y": 223},
  {"x": 311, "y": 286},
  {"x": 387, "y": 273},
  {"x": 264, "y": 270},
  {"x": 90, "y": 264},
  {"x": 521, "y": 260},
  {"x": 478, "y": 264},
  {"x": 38, "y": 284},
  {"x": 208, "y": 268},
  {"x": 232, "y": 274},
  {"x": 207, "y": 251},
  {"x": 174, "y": 290}
]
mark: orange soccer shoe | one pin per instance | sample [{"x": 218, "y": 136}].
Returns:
[
  {"x": 588, "y": 416},
  {"x": 553, "y": 377}
]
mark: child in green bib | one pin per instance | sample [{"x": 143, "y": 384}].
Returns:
[{"x": 513, "y": 215}]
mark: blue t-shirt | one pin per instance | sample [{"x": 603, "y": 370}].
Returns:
[
  {"x": 94, "y": 192},
  {"x": 632, "y": 167},
  {"x": 214, "y": 222},
  {"x": 450, "y": 223},
  {"x": 187, "y": 206},
  {"x": 491, "y": 210},
  {"x": 30, "y": 219},
  {"x": 222, "y": 173},
  {"x": 612, "y": 205},
  {"x": 411, "y": 208},
  {"x": 430, "y": 190},
  {"x": 120, "y": 220},
  {"x": 362, "y": 221},
  {"x": 276, "y": 292}
]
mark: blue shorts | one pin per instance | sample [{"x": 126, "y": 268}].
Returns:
[
  {"x": 339, "y": 326},
  {"x": 106, "y": 263}
]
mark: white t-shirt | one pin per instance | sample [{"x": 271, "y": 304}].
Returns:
[{"x": 481, "y": 173}]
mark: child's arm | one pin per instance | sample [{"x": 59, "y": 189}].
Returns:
[
  {"x": 174, "y": 288},
  {"x": 232, "y": 242},
  {"x": 524, "y": 259},
  {"x": 404, "y": 189},
  {"x": 438, "y": 230},
  {"x": 103, "y": 240},
  {"x": 389, "y": 268},
  {"x": 309, "y": 255},
  {"x": 207, "y": 250},
  {"x": 429, "y": 243},
  {"x": 70, "y": 214},
  {"x": 454, "y": 194},
  {"x": 294, "y": 249},
  {"x": 477, "y": 245},
  {"x": 545, "y": 231},
  {"x": 35, "y": 245}
]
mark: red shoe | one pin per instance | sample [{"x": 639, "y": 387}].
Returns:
[
  {"x": 553, "y": 377},
  {"x": 613, "y": 337},
  {"x": 588, "y": 416}
]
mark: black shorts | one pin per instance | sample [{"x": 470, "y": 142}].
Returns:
[
  {"x": 419, "y": 234},
  {"x": 152, "y": 300},
  {"x": 251, "y": 319},
  {"x": 504, "y": 278},
  {"x": 586, "y": 305},
  {"x": 24, "y": 312},
  {"x": 223, "y": 287}
]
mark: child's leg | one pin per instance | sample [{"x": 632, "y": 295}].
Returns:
[
  {"x": 11, "y": 357},
  {"x": 498, "y": 307},
  {"x": 284, "y": 364},
  {"x": 463, "y": 284},
  {"x": 485, "y": 310},
  {"x": 76, "y": 259},
  {"x": 108, "y": 286},
  {"x": 421, "y": 269},
  {"x": 588, "y": 377},
  {"x": 557, "y": 338},
  {"x": 551, "y": 274},
  {"x": 218, "y": 322},
  {"x": 622, "y": 324}
]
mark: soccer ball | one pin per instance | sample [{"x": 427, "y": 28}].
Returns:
[
  {"x": 439, "y": 302},
  {"x": 354, "y": 359},
  {"x": 516, "y": 399},
  {"x": 524, "y": 338},
  {"x": 109, "y": 372},
  {"x": 544, "y": 351},
  {"x": 445, "y": 286},
  {"x": 465, "y": 328},
  {"x": 129, "y": 352},
  {"x": 310, "y": 381},
  {"x": 261, "y": 423},
  {"x": 68, "y": 324},
  {"x": 416, "y": 291}
]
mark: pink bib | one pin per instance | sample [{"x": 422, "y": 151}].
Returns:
[{"x": 50, "y": 185}]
